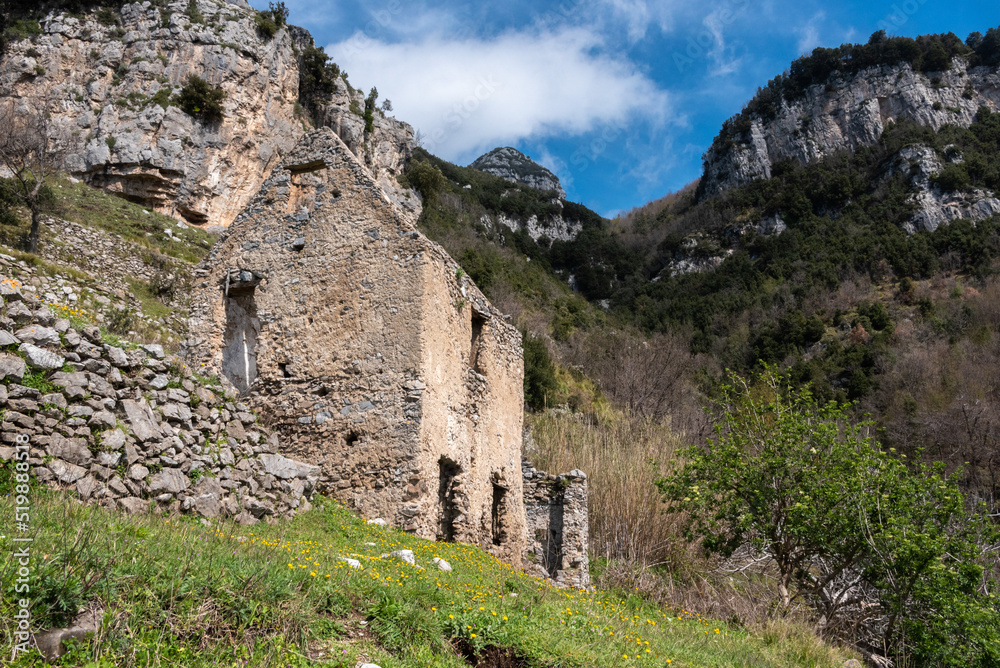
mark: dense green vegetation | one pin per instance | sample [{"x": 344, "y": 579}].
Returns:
[
  {"x": 886, "y": 555},
  {"x": 271, "y": 20},
  {"x": 845, "y": 301},
  {"x": 845, "y": 220},
  {"x": 317, "y": 79},
  {"x": 594, "y": 257}
]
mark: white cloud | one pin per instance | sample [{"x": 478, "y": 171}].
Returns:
[
  {"x": 721, "y": 54},
  {"x": 470, "y": 95},
  {"x": 809, "y": 37},
  {"x": 639, "y": 15}
]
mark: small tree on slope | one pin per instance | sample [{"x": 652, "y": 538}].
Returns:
[
  {"x": 27, "y": 158},
  {"x": 882, "y": 551}
]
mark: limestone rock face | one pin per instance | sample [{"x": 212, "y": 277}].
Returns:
[
  {"x": 848, "y": 113},
  {"x": 100, "y": 82},
  {"x": 107, "y": 88},
  {"x": 935, "y": 207},
  {"x": 509, "y": 163},
  {"x": 385, "y": 152}
]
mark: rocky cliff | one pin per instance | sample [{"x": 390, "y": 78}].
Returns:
[
  {"x": 846, "y": 113},
  {"x": 509, "y": 163},
  {"x": 108, "y": 88}
]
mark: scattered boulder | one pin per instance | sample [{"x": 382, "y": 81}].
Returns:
[
  {"x": 282, "y": 467},
  {"x": 41, "y": 358},
  {"x": 11, "y": 366},
  {"x": 52, "y": 643},
  {"x": 403, "y": 555},
  {"x": 442, "y": 565}
]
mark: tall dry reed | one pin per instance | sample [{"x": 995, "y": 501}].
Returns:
[{"x": 622, "y": 455}]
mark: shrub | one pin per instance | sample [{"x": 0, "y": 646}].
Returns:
[
  {"x": 121, "y": 320},
  {"x": 953, "y": 178},
  {"x": 369, "y": 114},
  {"x": 539, "y": 372},
  {"x": 317, "y": 78},
  {"x": 162, "y": 97},
  {"x": 202, "y": 100},
  {"x": 426, "y": 178},
  {"x": 885, "y": 555},
  {"x": 107, "y": 16},
  {"x": 266, "y": 27},
  {"x": 271, "y": 20},
  {"x": 194, "y": 13}
]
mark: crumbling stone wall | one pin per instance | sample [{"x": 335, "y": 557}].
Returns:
[
  {"x": 132, "y": 428},
  {"x": 556, "y": 515},
  {"x": 375, "y": 357}
]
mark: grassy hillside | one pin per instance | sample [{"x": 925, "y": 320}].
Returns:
[{"x": 175, "y": 592}]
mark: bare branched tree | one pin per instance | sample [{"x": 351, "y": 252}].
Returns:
[
  {"x": 650, "y": 377},
  {"x": 27, "y": 158}
]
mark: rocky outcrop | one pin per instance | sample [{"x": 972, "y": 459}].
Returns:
[
  {"x": 935, "y": 207},
  {"x": 847, "y": 113},
  {"x": 554, "y": 228},
  {"x": 107, "y": 90},
  {"x": 129, "y": 427},
  {"x": 510, "y": 164}
]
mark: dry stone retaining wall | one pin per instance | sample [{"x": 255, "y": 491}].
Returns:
[{"x": 130, "y": 428}]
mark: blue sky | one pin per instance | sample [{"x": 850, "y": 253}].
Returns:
[{"x": 619, "y": 98}]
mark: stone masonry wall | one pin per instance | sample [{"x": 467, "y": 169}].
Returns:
[
  {"x": 368, "y": 350},
  {"x": 128, "y": 427},
  {"x": 556, "y": 510}
]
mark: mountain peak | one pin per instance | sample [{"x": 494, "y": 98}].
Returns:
[{"x": 509, "y": 163}]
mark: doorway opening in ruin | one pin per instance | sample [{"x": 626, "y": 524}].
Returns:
[
  {"x": 499, "y": 514},
  {"x": 239, "y": 353},
  {"x": 477, "y": 335},
  {"x": 447, "y": 503},
  {"x": 552, "y": 541}
]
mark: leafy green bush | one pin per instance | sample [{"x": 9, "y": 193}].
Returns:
[
  {"x": 539, "y": 372},
  {"x": 266, "y": 27},
  {"x": 202, "y": 100},
  {"x": 426, "y": 178},
  {"x": 884, "y": 554},
  {"x": 194, "y": 13},
  {"x": 317, "y": 78},
  {"x": 107, "y": 16},
  {"x": 953, "y": 178},
  {"x": 369, "y": 114},
  {"x": 271, "y": 20}
]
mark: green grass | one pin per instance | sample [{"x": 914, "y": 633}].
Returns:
[
  {"x": 177, "y": 593},
  {"x": 152, "y": 307},
  {"x": 95, "y": 208}
]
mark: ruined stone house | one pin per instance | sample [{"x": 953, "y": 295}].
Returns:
[{"x": 370, "y": 352}]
